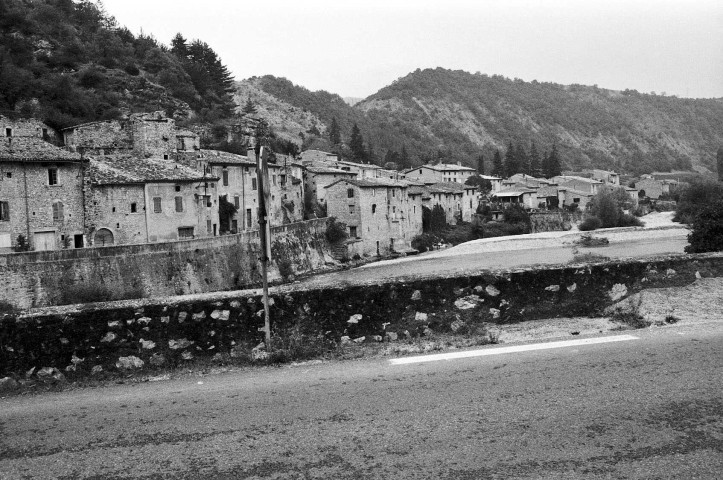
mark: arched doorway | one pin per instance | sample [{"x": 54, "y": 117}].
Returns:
[{"x": 103, "y": 238}]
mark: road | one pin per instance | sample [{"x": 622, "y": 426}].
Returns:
[
  {"x": 474, "y": 257},
  {"x": 649, "y": 407}
]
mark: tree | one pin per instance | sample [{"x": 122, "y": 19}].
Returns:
[
  {"x": 179, "y": 47},
  {"x": 480, "y": 165},
  {"x": 707, "y": 230},
  {"x": 512, "y": 165},
  {"x": 719, "y": 157},
  {"x": 404, "y": 161},
  {"x": 483, "y": 186},
  {"x": 226, "y": 211},
  {"x": 551, "y": 165},
  {"x": 334, "y": 132},
  {"x": 497, "y": 167},
  {"x": 438, "y": 219},
  {"x": 535, "y": 166},
  {"x": 249, "y": 107},
  {"x": 522, "y": 160},
  {"x": 356, "y": 144}
]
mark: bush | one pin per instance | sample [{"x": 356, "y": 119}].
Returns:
[
  {"x": 6, "y": 307},
  {"x": 335, "y": 231},
  {"x": 590, "y": 223},
  {"x": 424, "y": 242},
  {"x": 707, "y": 230},
  {"x": 627, "y": 220},
  {"x": 515, "y": 214},
  {"x": 695, "y": 197},
  {"x": 495, "y": 229}
]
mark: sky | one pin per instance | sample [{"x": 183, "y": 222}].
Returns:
[{"x": 356, "y": 48}]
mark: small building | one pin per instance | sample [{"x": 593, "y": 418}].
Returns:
[
  {"x": 577, "y": 183},
  {"x": 526, "y": 198},
  {"x": 41, "y": 192},
  {"x": 318, "y": 176},
  {"x": 651, "y": 188},
  {"x": 442, "y": 172},
  {"x": 377, "y": 212},
  {"x": 569, "y": 196},
  {"x": 315, "y": 156},
  {"x": 607, "y": 177},
  {"x": 129, "y": 200}
]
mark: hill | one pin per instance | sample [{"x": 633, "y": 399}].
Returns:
[
  {"x": 68, "y": 62},
  {"x": 455, "y": 116}
]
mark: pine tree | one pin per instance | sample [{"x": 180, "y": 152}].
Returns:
[
  {"x": 404, "y": 161},
  {"x": 497, "y": 167},
  {"x": 553, "y": 167},
  {"x": 535, "y": 166},
  {"x": 719, "y": 157},
  {"x": 522, "y": 160},
  {"x": 334, "y": 132},
  {"x": 179, "y": 47},
  {"x": 480, "y": 165},
  {"x": 249, "y": 108},
  {"x": 512, "y": 166},
  {"x": 356, "y": 144}
]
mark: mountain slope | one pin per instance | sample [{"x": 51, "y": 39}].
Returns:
[{"x": 455, "y": 116}]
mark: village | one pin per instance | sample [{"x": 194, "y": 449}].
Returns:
[{"x": 144, "y": 180}]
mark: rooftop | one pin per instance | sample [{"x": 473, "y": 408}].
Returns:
[
  {"x": 444, "y": 167},
  {"x": 33, "y": 149},
  {"x": 126, "y": 169},
  {"x": 372, "y": 183}
]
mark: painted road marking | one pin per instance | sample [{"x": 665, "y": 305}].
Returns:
[{"x": 514, "y": 349}]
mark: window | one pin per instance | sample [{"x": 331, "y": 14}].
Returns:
[
  {"x": 185, "y": 232},
  {"x": 8, "y": 132},
  {"x": 282, "y": 179},
  {"x": 209, "y": 203},
  {"x": 349, "y": 193},
  {"x": 248, "y": 218},
  {"x": 352, "y": 232},
  {"x": 165, "y": 156},
  {"x": 234, "y": 226},
  {"x": 4, "y": 211},
  {"x": 236, "y": 201},
  {"x": 52, "y": 176},
  {"x": 9, "y": 174},
  {"x": 420, "y": 170},
  {"x": 374, "y": 208},
  {"x": 208, "y": 226},
  {"x": 178, "y": 188},
  {"x": 224, "y": 175},
  {"x": 134, "y": 207},
  {"x": 58, "y": 211},
  {"x": 351, "y": 209},
  {"x": 157, "y": 205},
  {"x": 253, "y": 183},
  {"x": 179, "y": 204},
  {"x": 394, "y": 192},
  {"x": 45, "y": 133},
  {"x": 576, "y": 200},
  {"x": 273, "y": 179}
]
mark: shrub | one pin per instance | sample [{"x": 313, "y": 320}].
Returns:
[
  {"x": 424, "y": 242},
  {"x": 590, "y": 223},
  {"x": 6, "y": 307},
  {"x": 707, "y": 230},
  {"x": 131, "y": 69},
  {"x": 627, "y": 220},
  {"x": 696, "y": 196},
  {"x": 21, "y": 244},
  {"x": 335, "y": 231},
  {"x": 286, "y": 268},
  {"x": 515, "y": 214},
  {"x": 495, "y": 229}
]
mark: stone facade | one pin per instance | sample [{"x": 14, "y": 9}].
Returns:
[
  {"x": 317, "y": 178},
  {"x": 27, "y": 127},
  {"x": 443, "y": 172},
  {"x": 119, "y": 210},
  {"x": 40, "y": 194},
  {"x": 378, "y": 212},
  {"x": 653, "y": 188},
  {"x": 313, "y": 156}
]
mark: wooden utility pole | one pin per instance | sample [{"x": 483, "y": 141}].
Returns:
[{"x": 262, "y": 181}]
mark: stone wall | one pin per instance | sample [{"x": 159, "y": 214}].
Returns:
[
  {"x": 170, "y": 331},
  {"x": 36, "y": 279},
  {"x": 550, "y": 222}
]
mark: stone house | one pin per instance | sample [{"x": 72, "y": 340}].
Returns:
[
  {"x": 569, "y": 196},
  {"x": 239, "y": 184},
  {"x": 459, "y": 201},
  {"x": 133, "y": 201},
  {"x": 318, "y": 176},
  {"x": 607, "y": 177},
  {"x": 652, "y": 188},
  {"x": 41, "y": 194},
  {"x": 142, "y": 134},
  {"x": 442, "y": 172},
  {"x": 380, "y": 213},
  {"x": 308, "y": 157},
  {"x": 28, "y": 127},
  {"x": 525, "y": 197},
  {"x": 579, "y": 184}
]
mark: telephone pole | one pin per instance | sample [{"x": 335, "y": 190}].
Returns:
[{"x": 262, "y": 175}]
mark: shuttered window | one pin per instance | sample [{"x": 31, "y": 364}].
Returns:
[
  {"x": 58, "y": 211},
  {"x": 157, "y": 205},
  {"x": 179, "y": 204},
  {"x": 4, "y": 211}
]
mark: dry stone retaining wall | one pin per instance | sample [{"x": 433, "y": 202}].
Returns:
[{"x": 147, "y": 334}]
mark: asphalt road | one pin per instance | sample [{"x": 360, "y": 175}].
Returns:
[
  {"x": 470, "y": 262},
  {"x": 645, "y": 408}
]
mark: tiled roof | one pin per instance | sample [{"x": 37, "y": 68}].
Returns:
[
  {"x": 329, "y": 170},
  {"x": 447, "y": 187},
  {"x": 359, "y": 165},
  {"x": 185, "y": 133},
  {"x": 568, "y": 178},
  {"x": 225, "y": 158},
  {"x": 547, "y": 191},
  {"x": 126, "y": 169},
  {"x": 372, "y": 183},
  {"x": 577, "y": 192},
  {"x": 443, "y": 167},
  {"x": 33, "y": 149},
  {"x": 511, "y": 193}
]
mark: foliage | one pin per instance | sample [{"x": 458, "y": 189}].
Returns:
[
  {"x": 694, "y": 197},
  {"x": 719, "y": 163},
  {"x": 483, "y": 186},
  {"x": 69, "y": 62},
  {"x": 437, "y": 219},
  {"x": 503, "y": 229},
  {"x": 425, "y": 242},
  {"x": 335, "y": 231},
  {"x": 356, "y": 144},
  {"x": 226, "y": 211},
  {"x": 591, "y": 222},
  {"x": 249, "y": 108},
  {"x": 21, "y": 244},
  {"x": 498, "y": 168},
  {"x": 551, "y": 165},
  {"x": 517, "y": 215},
  {"x": 707, "y": 230},
  {"x": 6, "y": 307},
  {"x": 334, "y": 132}
]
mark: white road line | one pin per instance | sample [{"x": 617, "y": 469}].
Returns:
[{"x": 503, "y": 350}]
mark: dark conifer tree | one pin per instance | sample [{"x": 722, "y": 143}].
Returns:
[
  {"x": 404, "y": 161},
  {"x": 179, "y": 47},
  {"x": 553, "y": 167},
  {"x": 480, "y": 165},
  {"x": 249, "y": 107},
  {"x": 522, "y": 160},
  {"x": 356, "y": 144},
  {"x": 719, "y": 157},
  {"x": 535, "y": 166},
  {"x": 334, "y": 132},
  {"x": 512, "y": 165},
  {"x": 498, "y": 169}
]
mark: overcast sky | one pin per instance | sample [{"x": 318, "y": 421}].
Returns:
[{"x": 354, "y": 48}]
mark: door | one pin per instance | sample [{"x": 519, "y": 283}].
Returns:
[
  {"x": 44, "y": 240},
  {"x": 78, "y": 240}
]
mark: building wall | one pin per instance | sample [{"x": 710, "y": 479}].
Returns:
[
  {"x": 470, "y": 201},
  {"x": 163, "y": 226},
  {"x": 450, "y": 202},
  {"x": 653, "y": 188},
  {"x": 572, "y": 197},
  {"x": 426, "y": 175},
  {"x": 316, "y": 183},
  {"x": 317, "y": 156},
  {"x": 109, "y": 207},
  {"x": 28, "y": 127},
  {"x": 154, "y": 135},
  {"x": 111, "y": 136}
]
